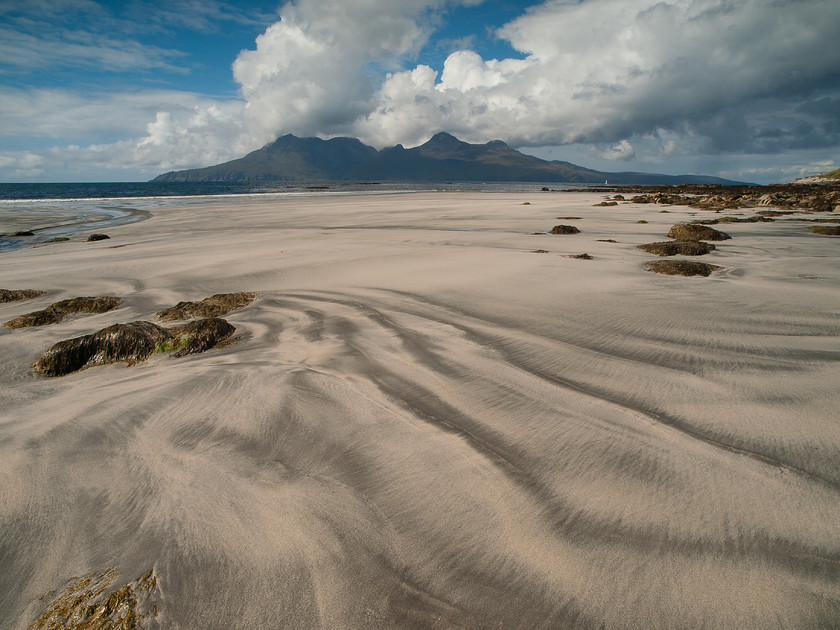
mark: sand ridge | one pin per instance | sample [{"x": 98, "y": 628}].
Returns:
[{"x": 423, "y": 425}]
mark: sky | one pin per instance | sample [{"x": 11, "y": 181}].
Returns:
[{"x": 123, "y": 91}]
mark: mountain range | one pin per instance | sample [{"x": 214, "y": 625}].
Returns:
[{"x": 443, "y": 158}]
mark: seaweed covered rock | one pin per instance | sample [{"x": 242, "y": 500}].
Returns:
[
  {"x": 826, "y": 230},
  {"x": 97, "y": 237},
  {"x": 200, "y": 335},
  {"x": 128, "y": 343},
  {"x": 131, "y": 343},
  {"x": 91, "y": 602},
  {"x": 674, "y": 248},
  {"x": 58, "y": 311},
  {"x": 16, "y": 295},
  {"x": 680, "y": 267},
  {"x": 564, "y": 229},
  {"x": 696, "y": 232},
  {"x": 214, "y": 306}
]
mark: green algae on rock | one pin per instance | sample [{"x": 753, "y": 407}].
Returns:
[
  {"x": 680, "y": 267},
  {"x": 58, "y": 311},
  {"x": 85, "y": 603},
  {"x": 214, "y": 306},
  {"x": 131, "y": 343}
]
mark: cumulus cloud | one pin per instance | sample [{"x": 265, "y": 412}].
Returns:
[
  {"x": 311, "y": 71},
  {"x": 621, "y": 151},
  {"x": 604, "y": 70}
]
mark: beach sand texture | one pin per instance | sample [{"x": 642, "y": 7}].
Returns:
[{"x": 425, "y": 424}]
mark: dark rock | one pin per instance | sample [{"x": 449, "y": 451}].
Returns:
[
  {"x": 58, "y": 311},
  {"x": 539, "y": 251},
  {"x": 16, "y": 295},
  {"x": 607, "y": 203},
  {"x": 201, "y": 335},
  {"x": 59, "y": 239},
  {"x": 583, "y": 256},
  {"x": 607, "y": 240},
  {"x": 98, "y": 237},
  {"x": 214, "y": 306},
  {"x": 128, "y": 343},
  {"x": 826, "y": 230},
  {"x": 24, "y": 233},
  {"x": 618, "y": 197},
  {"x": 674, "y": 248},
  {"x": 544, "y": 188},
  {"x": 696, "y": 232},
  {"x": 564, "y": 229},
  {"x": 131, "y": 343},
  {"x": 91, "y": 602},
  {"x": 680, "y": 267}
]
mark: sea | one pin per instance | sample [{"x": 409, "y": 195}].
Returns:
[{"x": 36, "y": 213}]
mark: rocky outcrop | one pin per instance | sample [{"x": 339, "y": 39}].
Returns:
[
  {"x": 58, "y": 311},
  {"x": 675, "y": 248},
  {"x": 564, "y": 229},
  {"x": 131, "y": 343},
  {"x": 680, "y": 267},
  {"x": 16, "y": 295},
  {"x": 696, "y": 232},
  {"x": 214, "y": 306},
  {"x": 90, "y": 603}
]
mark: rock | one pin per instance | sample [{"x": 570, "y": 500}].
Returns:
[
  {"x": 16, "y": 295},
  {"x": 674, "y": 248},
  {"x": 131, "y": 343},
  {"x": 583, "y": 256},
  {"x": 564, "y": 229},
  {"x": 59, "y": 239},
  {"x": 85, "y": 602},
  {"x": 201, "y": 335},
  {"x": 97, "y": 237},
  {"x": 128, "y": 343},
  {"x": 826, "y": 230},
  {"x": 641, "y": 221},
  {"x": 544, "y": 189},
  {"x": 24, "y": 233},
  {"x": 680, "y": 267},
  {"x": 607, "y": 240},
  {"x": 539, "y": 251},
  {"x": 696, "y": 232},
  {"x": 58, "y": 311},
  {"x": 607, "y": 203},
  {"x": 618, "y": 197},
  {"x": 214, "y": 306}
]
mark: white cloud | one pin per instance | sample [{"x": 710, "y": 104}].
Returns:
[
  {"x": 603, "y": 70},
  {"x": 620, "y": 151}
]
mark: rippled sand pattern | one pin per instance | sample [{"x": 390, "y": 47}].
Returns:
[{"x": 427, "y": 428}]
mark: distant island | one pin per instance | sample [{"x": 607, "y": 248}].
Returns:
[{"x": 443, "y": 158}]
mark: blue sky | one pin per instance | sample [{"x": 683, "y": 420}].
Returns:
[{"x": 122, "y": 91}]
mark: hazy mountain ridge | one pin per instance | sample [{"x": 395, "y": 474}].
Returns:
[{"x": 443, "y": 158}]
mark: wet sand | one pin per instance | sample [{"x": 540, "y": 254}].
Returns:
[{"x": 425, "y": 424}]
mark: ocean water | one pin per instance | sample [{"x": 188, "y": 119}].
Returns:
[{"x": 74, "y": 210}]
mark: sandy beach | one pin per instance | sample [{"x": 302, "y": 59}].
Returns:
[{"x": 434, "y": 417}]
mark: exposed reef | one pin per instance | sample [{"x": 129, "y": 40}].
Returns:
[
  {"x": 564, "y": 229},
  {"x": 17, "y": 295},
  {"x": 680, "y": 267},
  {"x": 131, "y": 343},
  {"x": 58, "y": 311},
  {"x": 696, "y": 232},
  {"x": 214, "y": 306},
  {"x": 89, "y": 603},
  {"x": 674, "y": 248}
]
